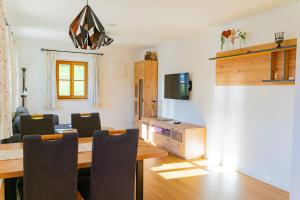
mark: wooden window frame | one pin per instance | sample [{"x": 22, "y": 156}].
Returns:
[{"x": 72, "y": 63}]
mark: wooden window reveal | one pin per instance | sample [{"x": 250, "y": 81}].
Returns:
[{"x": 71, "y": 79}]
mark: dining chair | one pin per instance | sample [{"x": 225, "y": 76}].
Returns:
[
  {"x": 16, "y": 121},
  {"x": 86, "y": 123},
  {"x": 31, "y": 125},
  {"x": 55, "y": 120},
  {"x": 50, "y": 167},
  {"x": 113, "y": 167},
  {"x": 36, "y": 125}
]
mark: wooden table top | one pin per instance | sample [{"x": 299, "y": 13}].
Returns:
[{"x": 14, "y": 168}]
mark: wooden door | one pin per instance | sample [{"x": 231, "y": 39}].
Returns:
[
  {"x": 139, "y": 73},
  {"x": 150, "y": 91}
]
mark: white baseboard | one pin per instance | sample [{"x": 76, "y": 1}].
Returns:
[{"x": 265, "y": 180}]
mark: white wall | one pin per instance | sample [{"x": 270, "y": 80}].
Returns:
[
  {"x": 250, "y": 127},
  {"x": 117, "y": 110},
  {"x": 295, "y": 187}
]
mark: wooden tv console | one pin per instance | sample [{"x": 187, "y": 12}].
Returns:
[{"x": 185, "y": 140}]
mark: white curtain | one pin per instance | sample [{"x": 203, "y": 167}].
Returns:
[
  {"x": 50, "y": 101},
  {"x": 9, "y": 78},
  {"x": 15, "y": 73},
  {"x": 96, "y": 83}
]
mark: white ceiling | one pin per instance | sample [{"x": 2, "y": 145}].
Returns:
[{"x": 141, "y": 23}]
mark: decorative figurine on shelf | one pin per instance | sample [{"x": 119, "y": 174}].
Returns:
[
  {"x": 291, "y": 78},
  {"x": 279, "y": 38},
  {"x": 148, "y": 55},
  {"x": 224, "y": 38},
  {"x": 154, "y": 56},
  {"x": 151, "y": 56},
  {"x": 243, "y": 38},
  {"x": 276, "y": 76},
  {"x": 232, "y": 37}
]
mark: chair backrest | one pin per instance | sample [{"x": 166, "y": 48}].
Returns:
[
  {"x": 16, "y": 121},
  {"x": 113, "y": 165},
  {"x": 36, "y": 124},
  {"x": 55, "y": 119},
  {"x": 50, "y": 167},
  {"x": 86, "y": 124}
]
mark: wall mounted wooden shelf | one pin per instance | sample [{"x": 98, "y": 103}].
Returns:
[
  {"x": 290, "y": 47},
  {"x": 257, "y": 65}
]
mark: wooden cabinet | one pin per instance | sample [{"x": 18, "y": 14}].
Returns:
[
  {"x": 185, "y": 140},
  {"x": 145, "y": 89}
]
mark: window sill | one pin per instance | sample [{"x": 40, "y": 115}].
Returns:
[{"x": 67, "y": 98}]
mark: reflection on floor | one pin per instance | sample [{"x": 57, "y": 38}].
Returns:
[{"x": 173, "y": 178}]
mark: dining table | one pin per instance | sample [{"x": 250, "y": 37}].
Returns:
[
  {"x": 11, "y": 162},
  {"x": 62, "y": 128}
]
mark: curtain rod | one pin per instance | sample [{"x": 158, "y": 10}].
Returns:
[{"x": 43, "y": 49}]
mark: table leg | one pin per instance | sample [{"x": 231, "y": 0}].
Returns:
[
  {"x": 10, "y": 188},
  {"x": 139, "y": 179},
  {"x": 2, "y": 189}
]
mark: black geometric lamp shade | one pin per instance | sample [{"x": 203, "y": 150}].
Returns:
[
  {"x": 107, "y": 41},
  {"x": 87, "y": 31}
]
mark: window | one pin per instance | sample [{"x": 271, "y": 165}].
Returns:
[{"x": 71, "y": 80}]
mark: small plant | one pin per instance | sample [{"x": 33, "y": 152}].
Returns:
[
  {"x": 243, "y": 37},
  {"x": 227, "y": 36},
  {"x": 223, "y": 41}
]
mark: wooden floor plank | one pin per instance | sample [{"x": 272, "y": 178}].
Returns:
[{"x": 204, "y": 182}]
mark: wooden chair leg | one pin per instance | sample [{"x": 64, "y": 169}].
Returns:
[
  {"x": 78, "y": 196},
  {"x": 1, "y": 189}
]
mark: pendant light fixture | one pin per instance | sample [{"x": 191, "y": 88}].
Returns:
[{"x": 87, "y": 32}]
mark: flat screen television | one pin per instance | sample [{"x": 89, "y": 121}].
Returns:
[{"x": 177, "y": 86}]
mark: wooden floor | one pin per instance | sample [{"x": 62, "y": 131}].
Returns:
[{"x": 173, "y": 178}]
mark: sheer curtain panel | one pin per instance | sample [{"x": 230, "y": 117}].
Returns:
[
  {"x": 96, "y": 83},
  {"x": 50, "y": 101},
  {"x": 9, "y": 78}
]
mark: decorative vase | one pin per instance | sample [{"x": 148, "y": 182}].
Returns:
[
  {"x": 148, "y": 55},
  {"x": 279, "y": 38}
]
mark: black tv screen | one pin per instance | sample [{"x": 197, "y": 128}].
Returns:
[{"x": 177, "y": 86}]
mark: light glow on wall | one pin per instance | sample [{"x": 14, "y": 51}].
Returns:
[
  {"x": 144, "y": 131},
  {"x": 150, "y": 135},
  {"x": 230, "y": 163}
]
